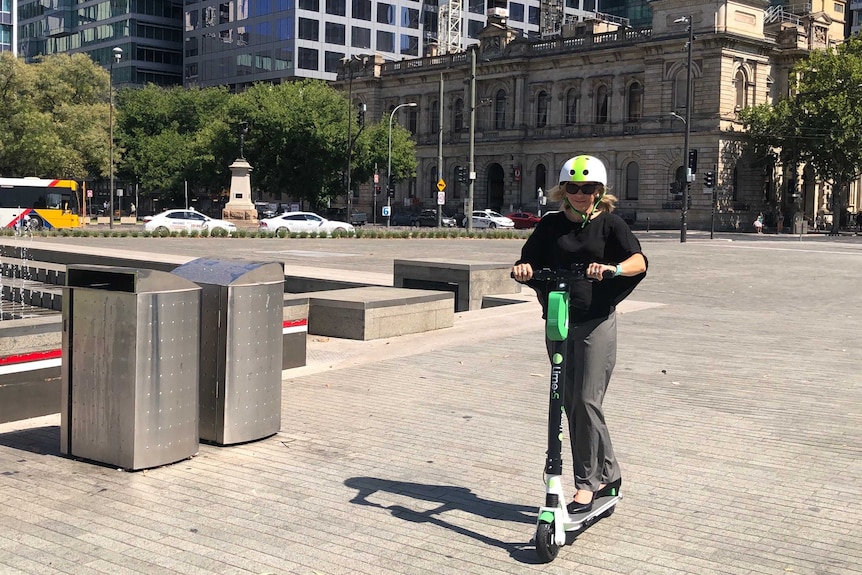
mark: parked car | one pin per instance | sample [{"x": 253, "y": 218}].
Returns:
[
  {"x": 357, "y": 218},
  {"x": 428, "y": 217},
  {"x": 402, "y": 219},
  {"x": 189, "y": 220},
  {"x": 489, "y": 219},
  {"x": 524, "y": 220},
  {"x": 298, "y": 222}
]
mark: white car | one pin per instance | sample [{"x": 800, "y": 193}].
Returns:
[
  {"x": 189, "y": 220},
  {"x": 490, "y": 219},
  {"x": 298, "y": 222}
]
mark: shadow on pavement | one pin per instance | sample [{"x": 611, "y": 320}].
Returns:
[
  {"x": 41, "y": 440},
  {"x": 451, "y": 498}
]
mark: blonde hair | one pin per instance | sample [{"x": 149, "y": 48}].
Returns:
[{"x": 606, "y": 204}]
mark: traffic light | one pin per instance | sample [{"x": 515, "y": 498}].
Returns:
[
  {"x": 361, "y": 114},
  {"x": 391, "y": 192},
  {"x": 692, "y": 161},
  {"x": 462, "y": 175},
  {"x": 377, "y": 189},
  {"x": 709, "y": 180}
]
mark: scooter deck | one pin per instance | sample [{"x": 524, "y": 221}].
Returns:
[{"x": 601, "y": 506}]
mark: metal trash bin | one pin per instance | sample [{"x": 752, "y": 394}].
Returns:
[
  {"x": 241, "y": 347},
  {"x": 130, "y": 349}
]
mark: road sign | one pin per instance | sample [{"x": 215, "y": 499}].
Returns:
[
  {"x": 376, "y": 179},
  {"x": 441, "y": 185},
  {"x": 89, "y": 193},
  {"x": 386, "y": 211},
  {"x": 441, "y": 198}
]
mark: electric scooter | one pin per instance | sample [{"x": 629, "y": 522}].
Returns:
[{"x": 554, "y": 519}]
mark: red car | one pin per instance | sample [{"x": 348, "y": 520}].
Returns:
[{"x": 524, "y": 220}]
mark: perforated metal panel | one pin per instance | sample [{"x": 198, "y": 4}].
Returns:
[
  {"x": 253, "y": 366},
  {"x": 241, "y": 348},
  {"x": 130, "y": 367}
]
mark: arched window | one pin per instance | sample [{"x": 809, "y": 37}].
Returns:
[
  {"x": 542, "y": 109},
  {"x": 413, "y": 120},
  {"x": 571, "y": 107},
  {"x": 634, "y": 102},
  {"x": 541, "y": 179},
  {"x": 739, "y": 83},
  {"x": 458, "y": 116},
  {"x": 602, "y": 105},
  {"x": 435, "y": 117},
  {"x": 632, "y": 180},
  {"x": 432, "y": 177},
  {"x": 679, "y": 92},
  {"x": 500, "y": 110}
]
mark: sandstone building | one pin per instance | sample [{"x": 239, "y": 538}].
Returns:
[{"x": 617, "y": 93}]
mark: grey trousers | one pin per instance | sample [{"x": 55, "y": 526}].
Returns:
[{"x": 592, "y": 354}]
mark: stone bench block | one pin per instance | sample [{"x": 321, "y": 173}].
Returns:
[
  {"x": 294, "y": 331},
  {"x": 470, "y": 281},
  {"x": 378, "y": 312},
  {"x": 29, "y": 367}
]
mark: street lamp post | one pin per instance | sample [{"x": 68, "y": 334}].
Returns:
[
  {"x": 686, "y": 189},
  {"x": 389, "y": 164},
  {"x": 118, "y": 53}
]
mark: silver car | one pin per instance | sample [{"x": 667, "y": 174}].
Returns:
[
  {"x": 299, "y": 222},
  {"x": 490, "y": 219},
  {"x": 185, "y": 220}
]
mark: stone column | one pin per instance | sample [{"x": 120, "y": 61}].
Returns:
[{"x": 240, "y": 205}]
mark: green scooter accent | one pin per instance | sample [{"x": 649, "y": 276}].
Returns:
[
  {"x": 557, "y": 324},
  {"x": 546, "y": 517}
]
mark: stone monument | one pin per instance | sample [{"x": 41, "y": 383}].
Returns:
[{"x": 240, "y": 206}]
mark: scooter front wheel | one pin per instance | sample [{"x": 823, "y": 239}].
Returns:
[{"x": 546, "y": 548}]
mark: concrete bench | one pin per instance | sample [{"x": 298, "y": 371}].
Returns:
[
  {"x": 469, "y": 281},
  {"x": 30, "y": 367},
  {"x": 377, "y": 312},
  {"x": 294, "y": 331}
]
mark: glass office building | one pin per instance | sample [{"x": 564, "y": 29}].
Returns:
[
  {"x": 7, "y": 25},
  {"x": 238, "y": 42},
  {"x": 148, "y": 31}
]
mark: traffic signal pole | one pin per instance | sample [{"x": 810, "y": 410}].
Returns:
[
  {"x": 472, "y": 145},
  {"x": 440, "y": 150}
]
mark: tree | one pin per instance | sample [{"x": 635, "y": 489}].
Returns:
[
  {"x": 828, "y": 117},
  {"x": 55, "y": 117},
  {"x": 173, "y": 136},
  {"x": 821, "y": 125},
  {"x": 297, "y": 141},
  {"x": 373, "y": 148}
]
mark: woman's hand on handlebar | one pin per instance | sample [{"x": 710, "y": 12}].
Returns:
[
  {"x": 598, "y": 272},
  {"x": 522, "y": 272}
]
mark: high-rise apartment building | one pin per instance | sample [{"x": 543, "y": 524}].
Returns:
[
  {"x": 8, "y": 26},
  {"x": 148, "y": 31},
  {"x": 238, "y": 42}
]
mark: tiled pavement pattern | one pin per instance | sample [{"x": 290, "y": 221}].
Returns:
[{"x": 735, "y": 409}]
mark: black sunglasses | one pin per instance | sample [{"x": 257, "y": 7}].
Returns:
[{"x": 586, "y": 189}]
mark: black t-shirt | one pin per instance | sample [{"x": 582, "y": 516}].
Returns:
[{"x": 558, "y": 242}]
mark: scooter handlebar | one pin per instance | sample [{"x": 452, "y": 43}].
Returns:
[{"x": 577, "y": 272}]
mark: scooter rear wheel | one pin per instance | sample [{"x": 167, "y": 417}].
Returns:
[{"x": 545, "y": 547}]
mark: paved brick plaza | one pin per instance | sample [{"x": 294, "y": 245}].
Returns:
[{"x": 735, "y": 408}]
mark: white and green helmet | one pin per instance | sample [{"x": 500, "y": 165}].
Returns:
[{"x": 584, "y": 169}]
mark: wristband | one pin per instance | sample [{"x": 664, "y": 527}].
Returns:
[{"x": 619, "y": 271}]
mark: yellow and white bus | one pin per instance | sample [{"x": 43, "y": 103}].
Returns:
[{"x": 37, "y": 204}]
